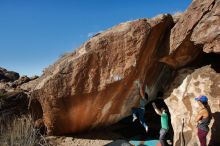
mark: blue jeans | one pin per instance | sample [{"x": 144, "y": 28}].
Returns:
[
  {"x": 139, "y": 112},
  {"x": 162, "y": 138}
]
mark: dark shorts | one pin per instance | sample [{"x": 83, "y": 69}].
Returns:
[{"x": 163, "y": 133}]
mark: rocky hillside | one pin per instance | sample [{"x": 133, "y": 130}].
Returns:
[
  {"x": 13, "y": 96},
  {"x": 16, "y": 126},
  {"x": 95, "y": 85}
]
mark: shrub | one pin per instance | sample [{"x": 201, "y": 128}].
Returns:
[{"x": 20, "y": 132}]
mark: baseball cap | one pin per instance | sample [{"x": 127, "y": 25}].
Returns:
[{"x": 201, "y": 98}]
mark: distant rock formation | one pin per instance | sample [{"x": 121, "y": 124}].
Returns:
[
  {"x": 95, "y": 86},
  {"x": 13, "y": 99},
  {"x": 6, "y": 76},
  {"x": 180, "y": 100},
  {"x": 11, "y": 81}
]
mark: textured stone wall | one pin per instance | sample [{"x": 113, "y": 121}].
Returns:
[{"x": 180, "y": 100}]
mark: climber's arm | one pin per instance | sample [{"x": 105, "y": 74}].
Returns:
[
  {"x": 199, "y": 116},
  {"x": 156, "y": 109},
  {"x": 142, "y": 91},
  {"x": 141, "y": 88}
]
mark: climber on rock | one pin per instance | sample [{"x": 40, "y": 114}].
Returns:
[
  {"x": 138, "y": 113},
  {"x": 164, "y": 123},
  {"x": 203, "y": 118}
]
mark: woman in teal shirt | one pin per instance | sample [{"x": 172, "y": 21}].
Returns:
[{"x": 164, "y": 124}]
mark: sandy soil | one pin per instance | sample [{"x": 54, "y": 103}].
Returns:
[{"x": 99, "y": 137}]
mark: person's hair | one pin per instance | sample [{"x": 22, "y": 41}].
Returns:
[
  {"x": 159, "y": 94},
  {"x": 163, "y": 109},
  {"x": 145, "y": 95},
  {"x": 204, "y": 103}
]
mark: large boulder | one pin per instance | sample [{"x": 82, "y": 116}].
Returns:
[
  {"x": 95, "y": 85},
  {"x": 180, "y": 100},
  {"x": 196, "y": 30},
  {"x": 6, "y": 75}
]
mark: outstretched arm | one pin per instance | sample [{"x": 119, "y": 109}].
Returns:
[
  {"x": 142, "y": 91},
  {"x": 156, "y": 109},
  {"x": 140, "y": 86}
]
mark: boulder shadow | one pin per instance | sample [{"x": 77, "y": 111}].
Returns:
[
  {"x": 215, "y": 130},
  {"x": 128, "y": 130}
]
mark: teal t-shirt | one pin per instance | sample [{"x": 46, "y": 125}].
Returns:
[{"x": 164, "y": 121}]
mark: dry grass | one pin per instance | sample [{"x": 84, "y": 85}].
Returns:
[{"x": 20, "y": 132}]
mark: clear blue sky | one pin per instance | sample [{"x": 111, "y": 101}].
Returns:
[{"x": 34, "y": 33}]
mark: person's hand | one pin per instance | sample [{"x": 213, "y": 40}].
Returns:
[
  {"x": 146, "y": 128},
  {"x": 153, "y": 104},
  {"x": 138, "y": 83},
  {"x": 195, "y": 124}
]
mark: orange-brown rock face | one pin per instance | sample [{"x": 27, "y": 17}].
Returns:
[
  {"x": 197, "y": 29},
  {"x": 95, "y": 86},
  {"x": 187, "y": 85}
]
